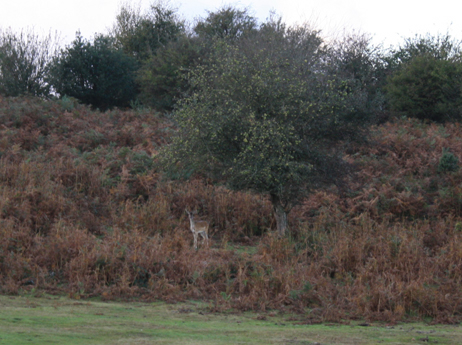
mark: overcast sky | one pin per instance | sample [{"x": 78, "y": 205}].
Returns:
[{"x": 387, "y": 21}]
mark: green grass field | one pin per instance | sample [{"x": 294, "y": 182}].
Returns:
[{"x": 60, "y": 320}]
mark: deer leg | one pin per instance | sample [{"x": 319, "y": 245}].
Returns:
[
  {"x": 205, "y": 237},
  {"x": 195, "y": 240}
]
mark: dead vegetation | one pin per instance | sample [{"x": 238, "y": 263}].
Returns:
[{"x": 84, "y": 211}]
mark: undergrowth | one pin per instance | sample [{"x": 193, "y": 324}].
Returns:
[{"x": 84, "y": 210}]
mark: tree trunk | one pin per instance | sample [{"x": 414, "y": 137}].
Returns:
[{"x": 280, "y": 213}]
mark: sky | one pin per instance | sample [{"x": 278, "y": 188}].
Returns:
[{"x": 388, "y": 22}]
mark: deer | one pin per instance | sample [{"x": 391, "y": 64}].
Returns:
[{"x": 199, "y": 227}]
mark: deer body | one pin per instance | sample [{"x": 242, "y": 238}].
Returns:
[{"x": 198, "y": 227}]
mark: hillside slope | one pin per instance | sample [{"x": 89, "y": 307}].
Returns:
[{"x": 84, "y": 210}]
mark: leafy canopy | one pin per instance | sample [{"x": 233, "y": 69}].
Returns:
[
  {"x": 426, "y": 79},
  {"x": 162, "y": 78},
  {"x": 141, "y": 34},
  {"x": 266, "y": 115},
  {"x": 440, "y": 47},
  {"x": 427, "y": 88},
  {"x": 226, "y": 23},
  {"x": 25, "y": 58},
  {"x": 95, "y": 73}
]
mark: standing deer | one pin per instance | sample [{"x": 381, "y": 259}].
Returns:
[{"x": 199, "y": 227}]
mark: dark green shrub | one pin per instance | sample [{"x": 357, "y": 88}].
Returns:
[
  {"x": 427, "y": 88},
  {"x": 448, "y": 162},
  {"x": 227, "y": 22},
  {"x": 162, "y": 78},
  {"x": 142, "y": 162},
  {"x": 441, "y": 47},
  {"x": 425, "y": 78},
  {"x": 360, "y": 65},
  {"x": 95, "y": 73}
]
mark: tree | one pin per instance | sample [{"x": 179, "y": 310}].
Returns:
[
  {"x": 226, "y": 23},
  {"x": 24, "y": 61},
  {"x": 425, "y": 78},
  {"x": 441, "y": 47},
  {"x": 266, "y": 116},
  {"x": 427, "y": 88},
  {"x": 361, "y": 66},
  {"x": 141, "y": 34},
  {"x": 162, "y": 78},
  {"x": 95, "y": 73}
]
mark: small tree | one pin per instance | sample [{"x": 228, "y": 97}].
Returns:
[
  {"x": 427, "y": 88},
  {"x": 24, "y": 62},
  {"x": 425, "y": 78},
  {"x": 227, "y": 23},
  {"x": 95, "y": 73},
  {"x": 141, "y": 34},
  {"x": 265, "y": 116},
  {"x": 361, "y": 65},
  {"x": 162, "y": 78},
  {"x": 441, "y": 47}
]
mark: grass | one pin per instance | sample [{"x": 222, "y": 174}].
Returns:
[{"x": 61, "y": 320}]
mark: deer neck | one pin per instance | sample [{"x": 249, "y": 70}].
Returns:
[{"x": 193, "y": 228}]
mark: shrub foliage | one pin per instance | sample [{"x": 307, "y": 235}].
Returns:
[
  {"x": 427, "y": 88},
  {"x": 25, "y": 58},
  {"x": 426, "y": 79},
  {"x": 95, "y": 73},
  {"x": 140, "y": 34}
]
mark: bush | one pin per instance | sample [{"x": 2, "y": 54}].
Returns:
[
  {"x": 448, "y": 162},
  {"x": 360, "y": 65},
  {"x": 425, "y": 78},
  {"x": 427, "y": 88},
  {"x": 227, "y": 22},
  {"x": 24, "y": 63},
  {"x": 140, "y": 35},
  {"x": 441, "y": 47},
  {"x": 95, "y": 73},
  {"x": 162, "y": 79}
]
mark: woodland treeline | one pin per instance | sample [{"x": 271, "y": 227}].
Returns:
[{"x": 146, "y": 58}]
